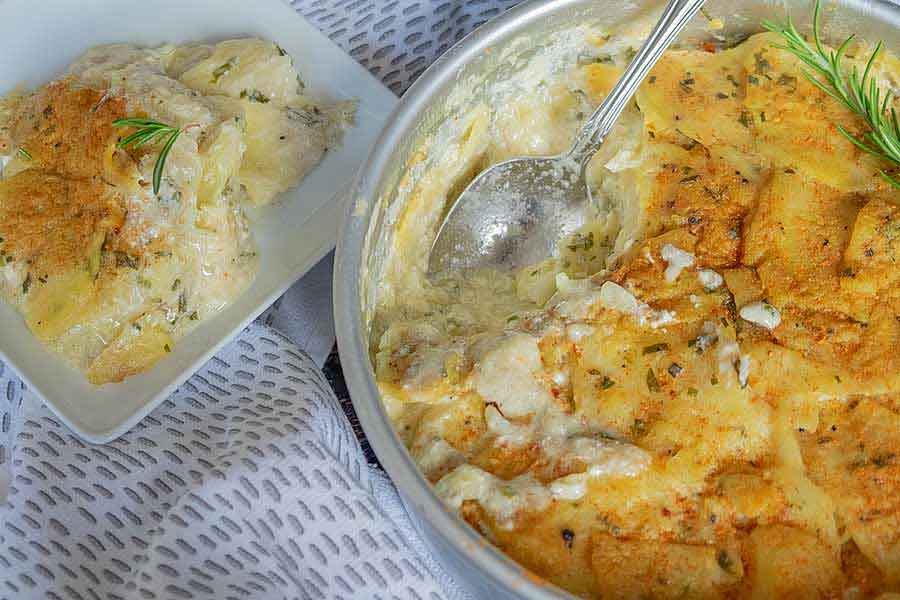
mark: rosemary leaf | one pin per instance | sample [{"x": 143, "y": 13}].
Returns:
[
  {"x": 148, "y": 131},
  {"x": 860, "y": 93}
]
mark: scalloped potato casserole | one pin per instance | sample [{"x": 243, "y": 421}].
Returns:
[
  {"x": 699, "y": 395},
  {"x": 105, "y": 268}
]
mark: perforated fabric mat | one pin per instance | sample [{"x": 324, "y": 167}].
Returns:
[
  {"x": 248, "y": 482},
  {"x": 397, "y": 40}
]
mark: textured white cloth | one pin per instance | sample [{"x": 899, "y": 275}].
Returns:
[
  {"x": 248, "y": 482},
  {"x": 305, "y": 314}
]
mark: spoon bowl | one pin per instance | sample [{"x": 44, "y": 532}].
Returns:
[
  {"x": 512, "y": 215},
  {"x": 515, "y": 213}
]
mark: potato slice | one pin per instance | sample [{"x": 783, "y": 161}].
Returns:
[
  {"x": 246, "y": 68},
  {"x": 283, "y": 144},
  {"x": 136, "y": 349},
  {"x": 636, "y": 568},
  {"x": 792, "y": 563}
]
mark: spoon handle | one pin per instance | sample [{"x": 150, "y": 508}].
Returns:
[{"x": 675, "y": 16}]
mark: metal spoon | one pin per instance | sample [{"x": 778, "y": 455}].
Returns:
[{"x": 515, "y": 213}]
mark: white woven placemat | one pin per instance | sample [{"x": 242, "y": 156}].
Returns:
[{"x": 397, "y": 39}]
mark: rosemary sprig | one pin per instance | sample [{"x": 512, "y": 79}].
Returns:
[
  {"x": 24, "y": 153},
  {"x": 149, "y": 131},
  {"x": 859, "y": 93}
]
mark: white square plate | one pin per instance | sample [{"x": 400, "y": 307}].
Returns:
[{"x": 38, "y": 40}]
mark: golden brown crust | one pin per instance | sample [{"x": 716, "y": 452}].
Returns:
[
  {"x": 67, "y": 128},
  {"x": 53, "y": 223},
  {"x": 57, "y": 212}
]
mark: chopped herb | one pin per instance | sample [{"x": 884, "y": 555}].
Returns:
[
  {"x": 26, "y": 285},
  {"x": 280, "y": 50},
  {"x": 607, "y": 383},
  {"x": 652, "y": 79},
  {"x": 753, "y": 79},
  {"x": 857, "y": 463},
  {"x": 652, "y": 383},
  {"x": 639, "y": 427},
  {"x": 182, "y": 303},
  {"x": 883, "y": 460},
  {"x": 194, "y": 316},
  {"x": 746, "y": 119},
  {"x": 123, "y": 259},
  {"x": 310, "y": 118},
  {"x": 686, "y": 83},
  {"x": 721, "y": 96},
  {"x": 692, "y": 391},
  {"x": 675, "y": 369},
  {"x": 690, "y": 179},
  {"x": 24, "y": 153},
  {"x": 580, "y": 241},
  {"x": 714, "y": 380},
  {"x": 653, "y": 348},
  {"x": 176, "y": 284},
  {"x": 223, "y": 69},
  {"x": 167, "y": 348},
  {"x": 763, "y": 66},
  {"x": 724, "y": 560},
  {"x": 786, "y": 80},
  {"x": 717, "y": 195},
  {"x": 734, "y": 82},
  {"x": 254, "y": 96}
]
